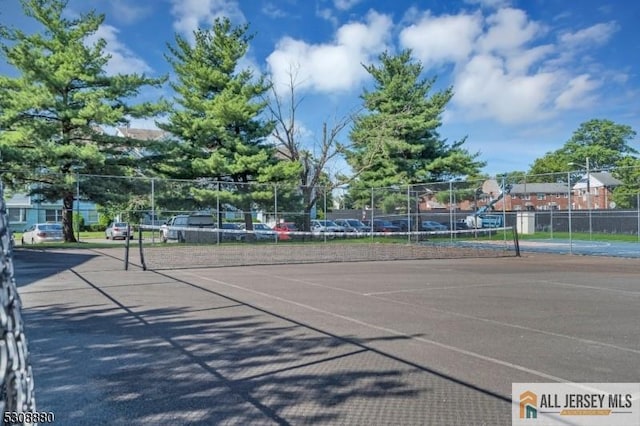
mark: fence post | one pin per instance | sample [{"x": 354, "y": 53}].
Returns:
[
  {"x": 153, "y": 211},
  {"x": 409, "y": 213},
  {"x": 324, "y": 191},
  {"x": 569, "y": 207},
  {"x": 78, "y": 206},
  {"x": 372, "y": 209}
]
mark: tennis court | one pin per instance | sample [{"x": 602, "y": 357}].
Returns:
[{"x": 435, "y": 341}]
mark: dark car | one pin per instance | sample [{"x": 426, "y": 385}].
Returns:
[
  {"x": 406, "y": 225},
  {"x": 458, "y": 225},
  {"x": 430, "y": 225},
  {"x": 380, "y": 225}
]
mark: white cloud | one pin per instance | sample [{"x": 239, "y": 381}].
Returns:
[
  {"x": 504, "y": 68},
  {"x": 448, "y": 38},
  {"x": 194, "y": 14},
  {"x": 126, "y": 12},
  {"x": 123, "y": 60},
  {"x": 334, "y": 66},
  {"x": 578, "y": 93},
  {"x": 345, "y": 4},
  {"x": 485, "y": 89},
  {"x": 490, "y": 4},
  {"x": 273, "y": 11},
  {"x": 509, "y": 29},
  {"x": 597, "y": 34}
]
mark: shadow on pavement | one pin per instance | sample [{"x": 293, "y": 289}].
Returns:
[
  {"x": 101, "y": 365},
  {"x": 31, "y": 265}
]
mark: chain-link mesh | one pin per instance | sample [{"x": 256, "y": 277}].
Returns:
[{"x": 16, "y": 377}]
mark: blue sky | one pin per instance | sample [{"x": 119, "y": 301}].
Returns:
[{"x": 525, "y": 73}]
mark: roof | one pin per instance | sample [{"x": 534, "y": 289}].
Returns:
[
  {"x": 606, "y": 179},
  {"x": 142, "y": 134},
  {"x": 538, "y": 188},
  {"x": 598, "y": 179}
]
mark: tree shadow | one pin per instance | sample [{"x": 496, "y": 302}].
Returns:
[
  {"x": 31, "y": 265},
  {"x": 229, "y": 362},
  {"x": 98, "y": 364}
]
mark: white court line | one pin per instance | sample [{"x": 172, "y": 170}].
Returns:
[
  {"x": 409, "y": 290},
  {"x": 613, "y": 290},
  {"x": 389, "y": 330},
  {"x": 467, "y": 316}
]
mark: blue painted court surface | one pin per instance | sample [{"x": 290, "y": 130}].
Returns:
[{"x": 581, "y": 247}]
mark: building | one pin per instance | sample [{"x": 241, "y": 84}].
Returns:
[
  {"x": 594, "y": 193},
  {"x": 24, "y": 210},
  {"x": 536, "y": 196}
]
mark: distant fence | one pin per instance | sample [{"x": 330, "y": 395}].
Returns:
[{"x": 564, "y": 202}]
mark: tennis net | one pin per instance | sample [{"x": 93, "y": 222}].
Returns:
[{"x": 194, "y": 247}]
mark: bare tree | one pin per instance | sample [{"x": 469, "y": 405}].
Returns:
[{"x": 314, "y": 160}]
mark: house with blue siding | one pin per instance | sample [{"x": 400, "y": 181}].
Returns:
[{"x": 25, "y": 210}]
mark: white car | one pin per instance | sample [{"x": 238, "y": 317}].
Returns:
[
  {"x": 320, "y": 227},
  {"x": 43, "y": 233}
]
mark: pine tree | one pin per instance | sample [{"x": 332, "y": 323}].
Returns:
[
  {"x": 396, "y": 142},
  {"x": 51, "y": 113},
  {"x": 220, "y": 135}
]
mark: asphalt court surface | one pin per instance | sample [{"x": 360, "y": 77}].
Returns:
[{"x": 395, "y": 342}]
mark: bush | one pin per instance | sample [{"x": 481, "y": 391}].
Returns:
[{"x": 78, "y": 222}]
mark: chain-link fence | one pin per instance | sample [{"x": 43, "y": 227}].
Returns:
[
  {"x": 577, "y": 204},
  {"x": 16, "y": 377}
]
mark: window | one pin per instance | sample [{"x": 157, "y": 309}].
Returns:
[
  {"x": 92, "y": 216},
  {"x": 16, "y": 214},
  {"x": 53, "y": 215},
  {"x": 541, "y": 196}
]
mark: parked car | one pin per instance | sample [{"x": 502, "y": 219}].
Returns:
[
  {"x": 232, "y": 232},
  {"x": 380, "y": 225},
  {"x": 43, "y": 233},
  {"x": 263, "y": 232},
  {"x": 172, "y": 230},
  {"x": 458, "y": 225},
  {"x": 352, "y": 225},
  {"x": 117, "y": 230},
  {"x": 430, "y": 225},
  {"x": 325, "y": 226}
]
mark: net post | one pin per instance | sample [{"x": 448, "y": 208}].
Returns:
[
  {"x": 126, "y": 249},
  {"x": 516, "y": 241},
  {"x": 142, "y": 262}
]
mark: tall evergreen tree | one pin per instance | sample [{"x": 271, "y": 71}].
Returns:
[
  {"x": 220, "y": 133},
  {"x": 50, "y": 114},
  {"x": 396, "y": 141}
]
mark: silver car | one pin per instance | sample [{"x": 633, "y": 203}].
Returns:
[
  {"x": 43, "y": 233},
  {"x": 117, "y": 230}
]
